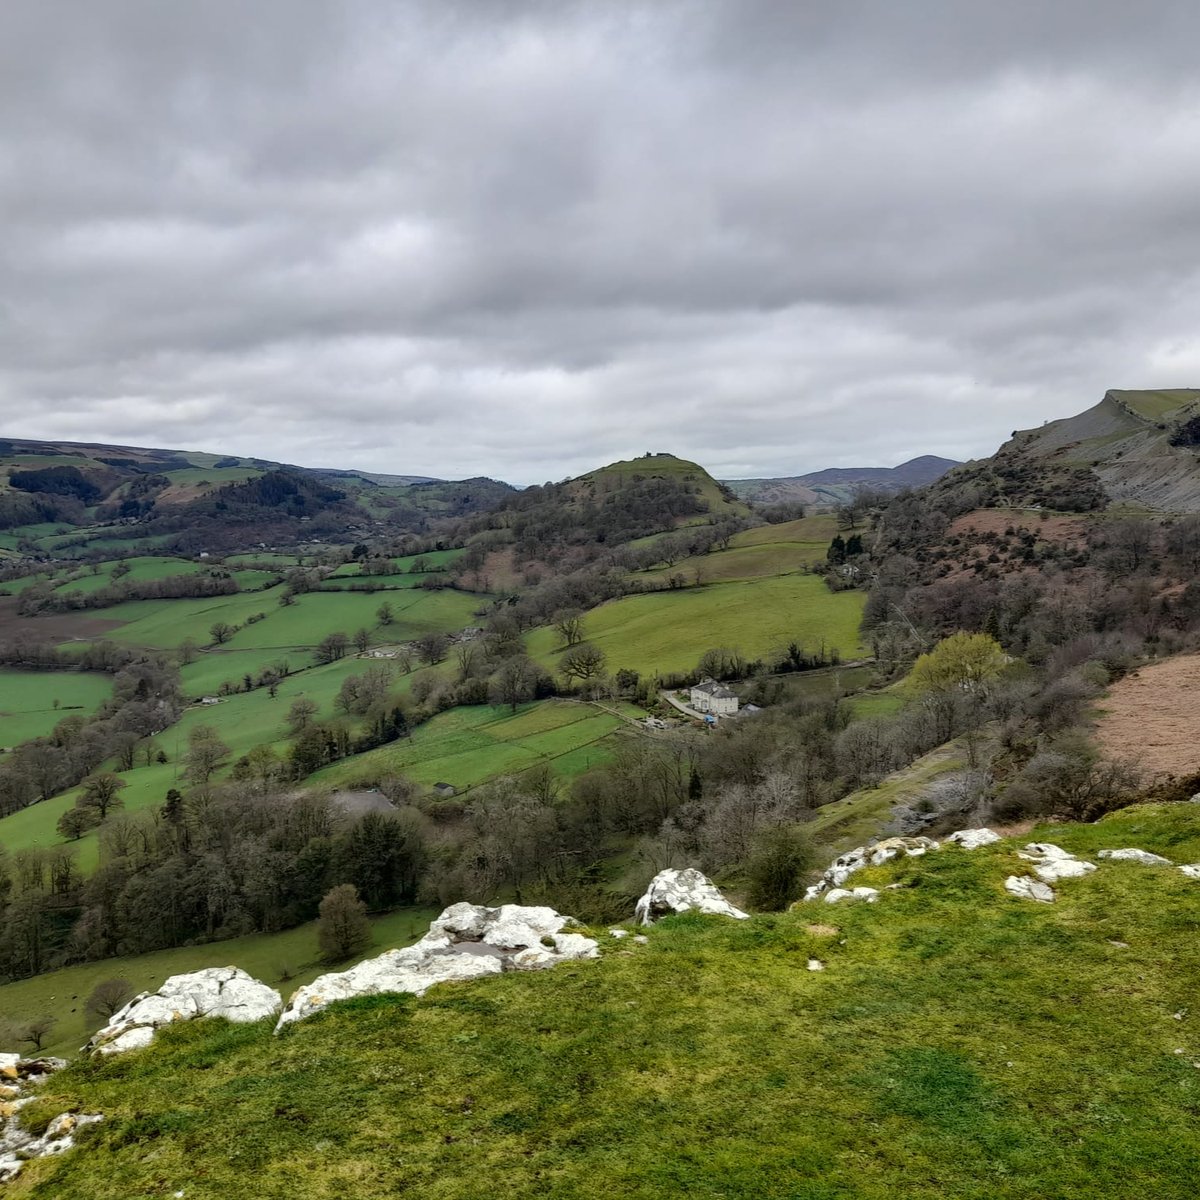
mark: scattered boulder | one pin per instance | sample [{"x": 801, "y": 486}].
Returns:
[
  {"x": 875, "y": 855},
  {"x": 1138, "y": 856},
  {"x": 17, "y": 1144},
  {"x": 1191, "y": 870},
  {"x": 1029, "y": 889},
  {"x": 1052, "y": 863},
  {"x": 468, "y": 941},
  {"x": 213, "y": 992},
  {"x": 972, "y": 839},
  {"x": 815, "y": 964},
  {"x": 836, "y": 895},
  {"x": 687, "y": 890}
]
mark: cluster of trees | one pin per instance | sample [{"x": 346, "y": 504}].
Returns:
[
  {"x": 58, "y": 481},
  {"x": 49, "y": 597},
  {"x": 573, "y": 519},
  {"x": 219, "y": 863},
  {"x": 145, "y": 700}
]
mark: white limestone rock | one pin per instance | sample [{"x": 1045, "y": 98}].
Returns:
[
  {"x": 845, "y": 865},
  {"x": 1054, "y": 869},
  {"x": 1043, "y": 850},
  {"x": 815, "y": 964},
  {"x": 213, "y": 992},
  {"x": 468, "y": 941},
  {"x": 972, "y": 839},
  {"x": 18, "y": 1146},
  {"x": 1052, "y": 863},
  {"x": 1138, "y": 856},
  {"x": 1029, "y": 889},
  {"x": 618, "y": 933},
  {"x": 686, "y": 890},
  {"x": 1191, "y": 870},
  {"x": 837, "y": 895}
]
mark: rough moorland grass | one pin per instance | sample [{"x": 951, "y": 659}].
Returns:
[
  {"x": 468, "y": 746},
  {"x": 959, "y": 1043},
  {"x": 63, "y": 994},
  {"x": 670, "y": 630},
  {"x": 27, "y": 700}
]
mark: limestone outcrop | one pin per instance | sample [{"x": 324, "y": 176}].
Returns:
[
  {"x": 17, "y": 1144},
  {"x": 212, "y": 992},
  {"x": 972, "y": 839},
  {"x": 876, "y": 855},
  {"x": 837, "y": 895},
  {"x": 468, "y": 941},
  {"x": 1052, "y": 863},
  {"x": 1028, "y": 888},
  {"x": 1144, "y": 857},
  {"x": 686, "y": 890}
]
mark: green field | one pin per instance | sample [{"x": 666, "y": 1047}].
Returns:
[
  {"x": 141, "y": 570},
  {"x": 757, "y": 553},
  {"x": 468, "y": 746},
  {"x": 958, "y": 1043},
  {"x": 63, "y": 994},
  {"x": 670, "y": 630},
  {"x": 168, "y": 623},
  {"x": 27, "y": 701}
]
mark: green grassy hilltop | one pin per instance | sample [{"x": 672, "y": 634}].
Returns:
[{"x": 958, "y": 1043}]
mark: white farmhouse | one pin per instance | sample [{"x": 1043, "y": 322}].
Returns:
[{"x": 713, "y": 697}]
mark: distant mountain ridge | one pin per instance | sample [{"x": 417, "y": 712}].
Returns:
[{"x": 835, "y": 484}]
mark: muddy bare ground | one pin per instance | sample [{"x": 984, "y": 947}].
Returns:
[
  {"x": 51, "y": 627},
  {"x": 1153, "y": 717}
]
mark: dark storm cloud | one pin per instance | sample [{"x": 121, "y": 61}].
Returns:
[{"x": 522, "y": 238}]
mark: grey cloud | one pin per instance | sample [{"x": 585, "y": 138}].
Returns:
[{"x": 522, "y": 238}]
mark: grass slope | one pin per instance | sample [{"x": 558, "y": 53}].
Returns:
[
  {"x": 670, "y": 630},
  {"x": 28, "y": 698},
  {"x": 468, "y": 746},
  {"x": 959, "y": 1043}
]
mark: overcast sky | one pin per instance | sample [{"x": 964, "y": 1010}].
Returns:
[{"x": 522, "y": 239}]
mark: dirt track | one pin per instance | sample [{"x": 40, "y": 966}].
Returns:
[{"x": 1153, "y": 717}]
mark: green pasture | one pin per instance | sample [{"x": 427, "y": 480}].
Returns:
[
  {"x": 670, "y": 630},
  {"x": 468, "y": 746},
  {"x": 27, "y": 701},
  {"x": 63, "y": 994},
  {"x": 186, "y": 476},
  {"x": 806, "y": 531},
  {"x": 316, "y": 614},
  {"x": 141, "y": 570}
]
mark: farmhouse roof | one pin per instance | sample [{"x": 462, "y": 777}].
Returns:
[{"x": 710, "y": 687}]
